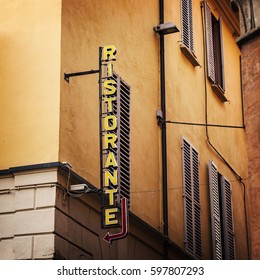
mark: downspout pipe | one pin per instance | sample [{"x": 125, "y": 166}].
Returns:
[{"x": 163, "y": 131}]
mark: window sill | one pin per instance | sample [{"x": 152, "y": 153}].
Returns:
[
  {"x": 219, "y": 92},
  {"x": 190, "y": 55}
]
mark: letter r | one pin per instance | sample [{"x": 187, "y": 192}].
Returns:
[{"x": 108, "y": 53}]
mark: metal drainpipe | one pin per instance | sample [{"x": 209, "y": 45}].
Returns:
[{"x": 163, "y": 127}]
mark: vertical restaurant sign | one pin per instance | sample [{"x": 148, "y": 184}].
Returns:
[{"x": 110, "y": 207}]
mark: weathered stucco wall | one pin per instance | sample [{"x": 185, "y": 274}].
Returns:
[
  {"x": 87, "y": 25},
  {"x": 128, "y": 26},
  {"x": 186, "y": 89},
  {"x": 45, "y": 119}
]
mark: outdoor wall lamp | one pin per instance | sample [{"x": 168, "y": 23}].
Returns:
[
  {"x": 166, "y": 28},
  {"x": 80, "y": 189}
]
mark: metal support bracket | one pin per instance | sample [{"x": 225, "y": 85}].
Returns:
[{"x": 68, "y": 75}]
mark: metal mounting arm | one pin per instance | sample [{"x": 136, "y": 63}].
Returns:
[{"x": 67, "y": 76}]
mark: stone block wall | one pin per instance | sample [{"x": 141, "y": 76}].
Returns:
[
  {"x": 40, "y": 219},
  {"x": 78, "y": 233},
  {"x": 27, "y": 211}
]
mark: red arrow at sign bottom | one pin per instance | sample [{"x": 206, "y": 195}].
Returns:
[{"x": 110, "y": 237}]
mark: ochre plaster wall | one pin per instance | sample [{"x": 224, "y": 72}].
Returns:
[
  {"x": 29, "y": 81},
  {"x": 43, "y": 118},
  {"x": 86, "y": 25},
  {"x": 186, "y": 87}
]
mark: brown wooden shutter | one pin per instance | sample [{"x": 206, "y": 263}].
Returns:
[
  {"x": 222, "y": 84},
  {"x": 191, "y": 194},
  {"x": 187, "y": 24},
  {"x": 227, "y": 216},
  {"x": 196, "y": 201},
  {"x": 210, "y": 43},
  {"x": 187, "y": 194},
  {"x": 123, "y": 135},
  {"x": 215, "y": 211}
]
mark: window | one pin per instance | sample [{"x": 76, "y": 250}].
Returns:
[
  {"x": 187, "y": 24},
  {"x": 215, "y": 63},
  {"x": 122, "y": 111},
  {"x": 187, "y": 46},
  {"x": 191, "y": 194},
  {"x": 223, "y": 242}
]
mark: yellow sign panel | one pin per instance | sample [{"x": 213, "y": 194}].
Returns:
[{"x": 109, "y": 138}]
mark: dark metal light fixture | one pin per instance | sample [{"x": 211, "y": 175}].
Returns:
[{"x": 166, "y": 28}]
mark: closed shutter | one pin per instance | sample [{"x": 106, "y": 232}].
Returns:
[
  {"x": 187, "y": 24},
  {"x": 196, "y": 201},
  {"x": 191, "y": 194},
  {"x": 222, "y": 80},
  {"x": 215, "y": 211},
  {"x": 210, "y": 43},
  {"x": 123, "y": 136},
  {"x": 187, "y": 188},
  {"x": 227, "y": 216}
]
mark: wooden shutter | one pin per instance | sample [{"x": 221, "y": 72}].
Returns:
[
  {"x": 196, "y": 201},
  {"x": 187, "y": 194},
  {"x": 123, "y": 136},
  {"x": 215, "y": 211},
  {"x": 187, "y": 24},
  {"x": 191, "y": 194},
  {"x": 210, "y": 43},
  {"x": 227, "y": 216},
  {"x": 222, "y": 82}
]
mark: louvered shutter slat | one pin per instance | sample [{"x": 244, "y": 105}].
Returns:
[
  {"x": 192, "y": 210},
  {"x": 197, "y": 221},
  {"x": 188, "y": 212},
  {"x": 187, "y": 24},
  {"x": 189, "y": 224},
  {"x": 191, "y": 26},
  {"x": 215, "y": 211},
  {"x": 210, "y": 45},
  {"x": 196, "y": 202},
  {"x": 229, "y": 243},
  {"x": 123, "y": 135},
  {"x": 222, "y": 82}
]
